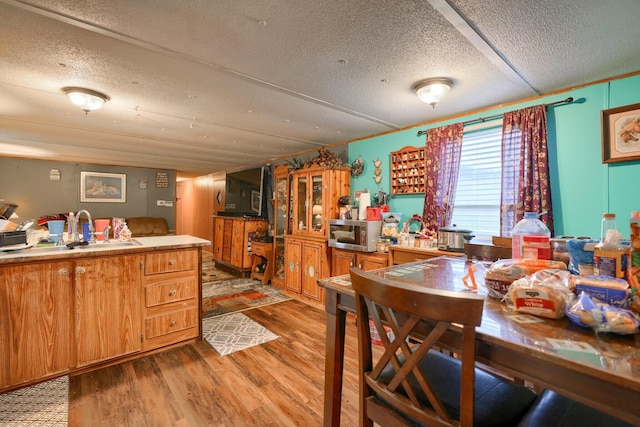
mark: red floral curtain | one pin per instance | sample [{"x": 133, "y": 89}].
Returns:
[
  {"x": 442, "y": 155},
  {"x": 525, "y": 168}
]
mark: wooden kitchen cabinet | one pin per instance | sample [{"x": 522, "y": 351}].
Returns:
[
  {"x": 35, "y": 294},
  {"x": 342, "y": 260},
  {"x": 306, "y": 262},
  {"x": 171, "y": 295},
  {"x": 108, "y": 307}
]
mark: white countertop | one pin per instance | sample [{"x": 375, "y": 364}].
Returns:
[{"x": 22, "y": 253}]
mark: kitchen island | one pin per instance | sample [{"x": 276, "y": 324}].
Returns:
[{"x": 67, "y": 310}]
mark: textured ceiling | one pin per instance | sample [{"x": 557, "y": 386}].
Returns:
[{"x": 203, "y": 86}]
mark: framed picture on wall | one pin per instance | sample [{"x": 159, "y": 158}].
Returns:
[
  {"x": 102, "y": 187},
  {"x": 621, "y": 134}
]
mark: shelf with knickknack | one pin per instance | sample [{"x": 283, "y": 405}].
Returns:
[{"x": 408, "y": 170}]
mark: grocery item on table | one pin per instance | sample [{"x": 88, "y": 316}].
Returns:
[
  {"x": 504, "y": 272},
  {"x": 530, "y": 225},
  {"x": 606, "y": 289},
  {"x": 586, "y": 311},
  {"x": 543, "y": 293}
]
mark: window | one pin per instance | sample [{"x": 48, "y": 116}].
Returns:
[{"x": 477, "y": 204}]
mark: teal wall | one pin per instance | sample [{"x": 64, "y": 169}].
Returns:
[{"x": 582, "y": 186}]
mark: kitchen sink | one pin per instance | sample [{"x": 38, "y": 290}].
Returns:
[{"x": 96, "y": 246}]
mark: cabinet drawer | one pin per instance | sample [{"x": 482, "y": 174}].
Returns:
[
  {"x": 164, "y": 262},
  {"x": 259, "y": 249},
  {"x": 166, "y": 288},
  {"x": 171, "y": 322}
]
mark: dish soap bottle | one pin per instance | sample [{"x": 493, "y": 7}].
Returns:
[
  {"x": 530, "y": 225},
  {"x": 609, "y": 256}
]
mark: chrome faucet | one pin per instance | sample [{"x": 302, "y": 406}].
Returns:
[{"x": 76, "y": 236}]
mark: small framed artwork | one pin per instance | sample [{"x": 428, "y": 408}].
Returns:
[
  {"x": 255, "y": 200},
  {"x": 621, "y": 134},
  {"x": 99, "y": 187}
]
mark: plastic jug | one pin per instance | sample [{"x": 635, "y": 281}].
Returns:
[{"x": 530, "y": 225}]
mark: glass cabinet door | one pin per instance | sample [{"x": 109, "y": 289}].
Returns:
[
  {"x": 280, "y": 223},
  {"x": 317, "y": 201},
  {"x": 300, "y": 223}
]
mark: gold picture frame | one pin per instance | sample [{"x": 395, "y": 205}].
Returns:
[{"x": 621, "y": 134}]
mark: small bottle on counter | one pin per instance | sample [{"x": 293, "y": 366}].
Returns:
[{"x": 609, "y": 256}]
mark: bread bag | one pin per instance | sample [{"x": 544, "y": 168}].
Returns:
[
  {"x": 504, "y": 272},
  {"x": 543, "y": 293}
]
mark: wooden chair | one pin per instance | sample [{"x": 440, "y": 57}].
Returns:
[{"x": 411, "y": 384}]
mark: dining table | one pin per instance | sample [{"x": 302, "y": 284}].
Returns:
[{"x": 601, "y": 370}]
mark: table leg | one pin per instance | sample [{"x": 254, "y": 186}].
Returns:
[{"x": 334, "y": 360}]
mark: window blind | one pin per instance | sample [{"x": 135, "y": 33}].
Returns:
[{"x": 477, "y": 203}]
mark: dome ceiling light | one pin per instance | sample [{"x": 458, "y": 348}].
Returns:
[
  {"x": 432, "y": 91},
  {"x": 86, "y": 99}
]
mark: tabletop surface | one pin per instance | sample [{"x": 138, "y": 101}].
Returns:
[{"x": 599, "y": 354}]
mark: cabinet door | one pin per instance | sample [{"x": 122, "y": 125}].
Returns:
[
  {"x": 293, "y": 256},
  {"x": 108, "y": 307},
  {"x": 237, "y": 243},
  {"x": 218, "y": 238},
  {"x": 371, "y": 261},
  {"x": 300, "y": 204},
  {"x": 317, "y": 198},
  {"x": 35, "y": 320},
  {"x": 341, "y": 262},
  {"x": 313, "y": 255}
]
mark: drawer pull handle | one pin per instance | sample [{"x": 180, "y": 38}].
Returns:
[
  {"x": 63, "y": 272},
  {"x": 172, "y": 262},
  {"x": 174, "y": 323},
  {"x": 172, "y": 292}
]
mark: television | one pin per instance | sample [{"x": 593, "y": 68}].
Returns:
[{"x": 244, "y": 191}]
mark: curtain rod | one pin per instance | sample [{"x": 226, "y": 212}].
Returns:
[{"x": 483, "y": 119}]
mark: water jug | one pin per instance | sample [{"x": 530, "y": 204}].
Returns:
[{"x": 530, "y": 225}]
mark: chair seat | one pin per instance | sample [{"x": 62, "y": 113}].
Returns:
[
  {"x": 555, "y": 410},
  {"x": 498, "y": 402}
]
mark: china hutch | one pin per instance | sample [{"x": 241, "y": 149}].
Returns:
[{"x": 313, "y": 200}]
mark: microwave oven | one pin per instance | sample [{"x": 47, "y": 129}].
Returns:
[{"x": 353, "y": 234}]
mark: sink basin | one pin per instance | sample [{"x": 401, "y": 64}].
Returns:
[{"x": 95, "y": 246}]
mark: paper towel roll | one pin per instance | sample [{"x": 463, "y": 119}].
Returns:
[{"x": 363, "y": 203}]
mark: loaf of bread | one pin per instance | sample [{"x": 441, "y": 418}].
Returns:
[
  {"x": 503, "y": 273},
  {"x": 543, "y": 293},
  {"x": 604, "y": 288},
  {"x": 602, "y": 317}
]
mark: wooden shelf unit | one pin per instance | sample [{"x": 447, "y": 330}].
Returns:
[
  {"x": 262, "y": 253},
  {"x": 408, "y": 170}
]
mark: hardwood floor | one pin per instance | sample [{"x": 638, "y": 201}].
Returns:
[{"x": 280, "y": 383}]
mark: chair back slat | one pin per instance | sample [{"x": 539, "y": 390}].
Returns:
[{"x": 396, "y": 378}]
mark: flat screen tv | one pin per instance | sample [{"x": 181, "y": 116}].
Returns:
[{"x": 244, "y": 193}]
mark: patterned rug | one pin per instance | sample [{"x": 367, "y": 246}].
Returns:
[
  {"x": 234, "y": 332},
  {"x": 41, "y": 405}
]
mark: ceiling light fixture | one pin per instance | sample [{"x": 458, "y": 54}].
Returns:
[
  {"x": 432, "y": 91},
  {"x": 86, "y": 99}
]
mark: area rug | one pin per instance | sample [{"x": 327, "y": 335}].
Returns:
[
  {"x": 234, "y": 332},
  {"x": 41, "y": 405},
  {"x": 211, "y": 274},
  {"x": 235, "y": 295}
]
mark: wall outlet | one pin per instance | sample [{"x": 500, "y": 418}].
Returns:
[
  {"x": 160, "y": 202},
  {"x": 168, "y": 203}
]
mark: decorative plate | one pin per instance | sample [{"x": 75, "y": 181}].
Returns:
[{"x": 357, "y": 167}]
